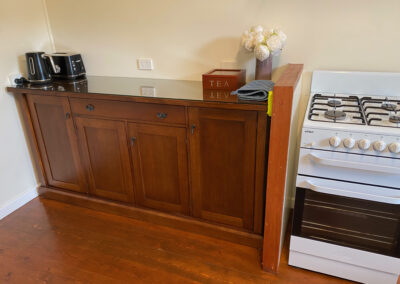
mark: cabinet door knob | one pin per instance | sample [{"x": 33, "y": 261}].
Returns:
[
  {"x": 90, "y": 107},
  {"x": 162, "y": 115},
  {"x": 67, "y": 115},
  {"x": 133, "y": 139},
  {"x": 192, "y": 128}
]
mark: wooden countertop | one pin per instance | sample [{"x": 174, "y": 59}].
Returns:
[{"x": 177, "y": 92}]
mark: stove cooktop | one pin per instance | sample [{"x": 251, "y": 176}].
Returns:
[{"x": 359, "y": 110}]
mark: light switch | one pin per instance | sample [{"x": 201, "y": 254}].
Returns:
[{"x": 145, "y": 64}]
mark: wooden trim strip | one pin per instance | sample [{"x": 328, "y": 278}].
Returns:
[
  {"x": 260, "y": 174},
  {"x": 245, "y": 105},
  {"x": 177, "y": 222},
  {"x": 31, "y": 136},
  {"x": 277, "y": 164}
]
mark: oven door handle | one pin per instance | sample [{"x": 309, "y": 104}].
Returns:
[
  {"x": 354, "y": 165},
  {"x": 352, "y": 194}
]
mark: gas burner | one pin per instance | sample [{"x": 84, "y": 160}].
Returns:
[
  {"x": 334, "y": 103},
  {"x": 381, "y": 111},
  {"x": 335, "y": 114},
  {"x": 394, "y": 118},
  {"x": 336, "y": 108},
  {"x": 389, "y": 106}
]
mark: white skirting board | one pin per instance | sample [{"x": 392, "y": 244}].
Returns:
[
  {"x": 18, "y": 202},
  {"x": 348, "y": 263}
]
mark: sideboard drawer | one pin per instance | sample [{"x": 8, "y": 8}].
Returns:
[{"x": 129, "y": 110}]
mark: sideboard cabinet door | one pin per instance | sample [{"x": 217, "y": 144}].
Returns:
[
  {"x": 105, "y": 154},
  {"x": 55, "y": 132},
  {"x": 160, "y": 163},
  {"x": 222, "y": 162}
]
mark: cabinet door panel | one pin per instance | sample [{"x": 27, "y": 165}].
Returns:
[
  {"x": 106, "y": 156},
  {"x": 57, "y": 141},
  {"x": 222, "y": 155},
  {"x": 159, "y": 157}
]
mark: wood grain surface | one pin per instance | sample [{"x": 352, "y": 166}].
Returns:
[
  {"x": 53, "y": 242},
  {"x": 160, "y": 165},
  {"x": 222, "y": 151},
  {"x": 277, "y": 164}
]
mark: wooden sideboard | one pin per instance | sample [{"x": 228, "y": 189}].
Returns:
[
  {"x": 179, "y": 158},
  {"x": 195, "y": 164}
]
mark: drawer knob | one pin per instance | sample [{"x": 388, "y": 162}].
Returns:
[
  {"x": 90, "y": 107},
  {"x": 162, "y": 115}
]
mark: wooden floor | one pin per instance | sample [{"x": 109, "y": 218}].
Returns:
[{"x": 51, "y": 242}]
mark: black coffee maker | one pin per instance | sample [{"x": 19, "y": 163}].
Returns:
[{"x": 38, "y": 68}]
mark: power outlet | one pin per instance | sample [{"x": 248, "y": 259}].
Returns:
[
  {"x": 145, "y": 64},
  {"x": 148, "y": 91},
  {"x": 11, "y": 77}
]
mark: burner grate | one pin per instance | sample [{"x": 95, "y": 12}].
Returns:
[
  {"x": 336, "y": 108},
  {"x": 381, "y": 111},
  {"x": 373, "y": 111}
]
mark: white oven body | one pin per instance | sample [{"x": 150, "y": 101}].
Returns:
[
  {"x": 348, "y": 263},
  {"x": 347, "y": 212},
  {"x": 364, "y": 177}
]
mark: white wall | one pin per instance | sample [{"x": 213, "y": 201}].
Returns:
[
  {"x": 187, "y": 38},
  {"x": 22, "y": 28}
]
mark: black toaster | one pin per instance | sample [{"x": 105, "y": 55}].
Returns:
[{"x": 66, "y": 65}]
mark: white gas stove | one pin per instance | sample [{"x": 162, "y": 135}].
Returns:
[{"x": 347, "y": 211}]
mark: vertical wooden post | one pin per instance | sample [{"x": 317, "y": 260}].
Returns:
[{"x": 277, "y": 164}]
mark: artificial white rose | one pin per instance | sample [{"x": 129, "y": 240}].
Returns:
[
  {"x": 261, "y": 52},
  {"x": 282, "y": 36},
  {"x": 268, "y": 32},
  {"x": 257, "y": 29},
  {"x": 259, "y": 38},
  {"x": 248, "y": 41},
  {"x": 249, "y": 45},
  {"x": 274, "y": 44}
]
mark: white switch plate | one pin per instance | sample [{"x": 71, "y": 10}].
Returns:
[
  {"x": 148, "y": 91},
  {"x": 145, "y": 64}
]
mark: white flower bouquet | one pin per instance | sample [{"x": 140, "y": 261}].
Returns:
[{"x": 263, "y": 42}]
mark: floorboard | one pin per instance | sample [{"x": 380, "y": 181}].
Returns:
[{"x": 48, "y": 241}]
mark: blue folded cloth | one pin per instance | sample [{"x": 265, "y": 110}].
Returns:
[{"x": 256, "y": 90}]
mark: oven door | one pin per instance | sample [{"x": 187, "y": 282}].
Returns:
[{"x": 348, "y": 214}]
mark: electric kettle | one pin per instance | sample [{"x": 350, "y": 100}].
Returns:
[{"x": 38, "y": 69}]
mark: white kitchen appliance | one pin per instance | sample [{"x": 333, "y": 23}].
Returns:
[{"x": 347, "y": 209}]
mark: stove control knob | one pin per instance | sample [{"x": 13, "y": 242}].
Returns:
[
  {"x": 349, "y": 143},
  {"x": 379, "y": 146},
  {"x": 334, "y": 141},
  {"x": 394, "y": 147},
  {"x": 364, "y": 144}
]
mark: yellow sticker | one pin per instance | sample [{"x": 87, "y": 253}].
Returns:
[{"x": 270, "y": 96}]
